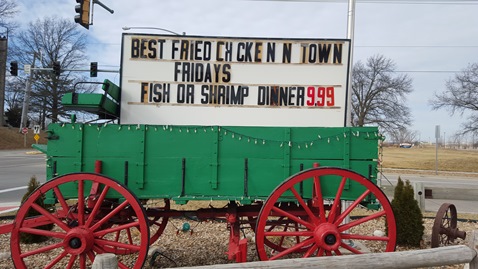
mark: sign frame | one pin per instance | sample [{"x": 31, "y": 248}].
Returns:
[{"x": 309, "y": 82}]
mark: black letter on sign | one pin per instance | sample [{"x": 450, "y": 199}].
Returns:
[
  {"x": 135, "y": 48},
  {"x": 204, "y": 94},
  {"x": 181, "y": 96},
  {"x": 240, "y": 46},
  {"x": 286, "y": 53},
  {"x": 152, "y": 49},
  {"x": 337, "y": 53},
  {"x": 271, "y": 52},
  {"x": 324, "y": 52},
  {"x": 226, "y": 71},
  {"x": 144, "y": 92}
]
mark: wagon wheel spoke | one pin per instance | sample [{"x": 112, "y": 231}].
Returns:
[
  {"x": 51, "y": 217},
  {"x": 311, "y": 251},
  {"x": 83, "y": 233},
  {"x": 292, "y": 217},
  {"x": 71, "y": 261},
  {"x": 81, "y": 202},
  {"x": 102, "y": 243},
  {"x": 288, "y": 233},
  {"x": 304, "y": 205},
  {"x": 40, "y": 250},
  {"x": 61, "y": 199},
  {"x": 351, "y": 249},
  {"x": 292, "y": 249},
  {"x": 319, "y": 198},
  {"x": 117, "y": 229},
  {"x": 97, "y": 206},
  {"x": 361, "y": 221},
  {"x": 82, "y": 261},
  {"x": 336, "y": 204},
  {"x": 365, "y": 237},
  {"x": 43, "y": 232},
  {"x": 109, "y": 216},
  {"x": 342, "y": 216}
]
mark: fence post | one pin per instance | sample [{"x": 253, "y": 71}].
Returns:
[
  {"x": 473, "y": 244},
  {"x": 419, "y": 195},
  {"x": 105, "y": 261}
]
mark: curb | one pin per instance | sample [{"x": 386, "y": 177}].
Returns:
[{"x": 33, "y": 152}]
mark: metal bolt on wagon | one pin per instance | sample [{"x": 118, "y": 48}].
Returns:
[{"x": 255, "y": 122}]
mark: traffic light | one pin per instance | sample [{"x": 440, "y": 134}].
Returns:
[
  {"x": 14, "y": 68},
  {"x": 56, "y": 68},
  {"x": 83, "y": 13},
  {"x": 93, "y": 69}
]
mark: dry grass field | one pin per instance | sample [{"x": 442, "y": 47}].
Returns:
[{"x": 423, "y": 158}]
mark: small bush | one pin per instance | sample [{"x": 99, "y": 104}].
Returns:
[
  {"x": 408, "y": 215},
  {"x": 33, "y": 238}
]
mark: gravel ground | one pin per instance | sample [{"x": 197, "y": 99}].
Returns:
[{"x": 206, "y": 243}]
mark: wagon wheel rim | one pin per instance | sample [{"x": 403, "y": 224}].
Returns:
[
  {"x": 157, "y": 221},
  {"x": 445, "y": 221},
  {"x": 322, "y": 234},
  {"x": 80, "y": 233}
]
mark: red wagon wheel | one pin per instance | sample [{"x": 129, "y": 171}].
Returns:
[
  {"x": 285, "y": 232},
  {"x": 112, "y": 225}
]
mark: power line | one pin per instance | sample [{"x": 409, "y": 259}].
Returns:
[
  {"x": 406, "y": 2},
  {"x": 416, "y": 46},
  {"x": 425, "y": 71}
]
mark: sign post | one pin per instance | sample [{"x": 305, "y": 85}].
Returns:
[
  {"x": 36, "y": 131},
  {"x": 437, "y": 136},
  {"x": 24, "y": 132}
]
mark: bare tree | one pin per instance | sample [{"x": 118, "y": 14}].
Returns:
[
  {"x": 8, "y": 9},
  {"x": 403, "y": 135},
  {"x": 379, "y": 95},
  {"x": 47, "y": 41},
  {"x": 461, "y": 95}
]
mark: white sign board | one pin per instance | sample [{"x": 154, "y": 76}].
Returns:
[
  {"x": 189, "y": 80},
  {"x": 27, "y": 69},
  {"x": 36, "y": 129}
]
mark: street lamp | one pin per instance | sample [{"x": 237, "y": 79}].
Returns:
[{"x": 126, "y": 28}]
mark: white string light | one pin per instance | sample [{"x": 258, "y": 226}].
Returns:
[{"x": 299, "y": 144}]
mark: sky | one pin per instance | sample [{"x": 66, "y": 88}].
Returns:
[{"x": 430, "y": 41}]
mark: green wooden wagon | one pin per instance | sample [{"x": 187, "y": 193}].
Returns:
[{"x": 305, "y": 191}]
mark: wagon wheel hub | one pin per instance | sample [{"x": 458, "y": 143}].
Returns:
[
  {"x": 327, "y": 236},
  {"x": 78, "y": 240},
  {"x": 75, "y": 243}
]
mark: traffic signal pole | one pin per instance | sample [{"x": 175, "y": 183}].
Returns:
[
  {"x": 3, "y": 64},
  {"x": 26, "y": 99}
]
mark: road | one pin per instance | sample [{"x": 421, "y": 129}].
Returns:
[
  {"x": 468, "y": 180},
  {"x": 458, "y": 185},
  {"x": 18, "y": 166},
  {"x": 16, "y": 169}
]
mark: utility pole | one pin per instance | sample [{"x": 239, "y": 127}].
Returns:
[
  {"x": 26, "y": 99},
  {"x": 350, "y": 35},
  {"x": 3, "y": 71}
]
